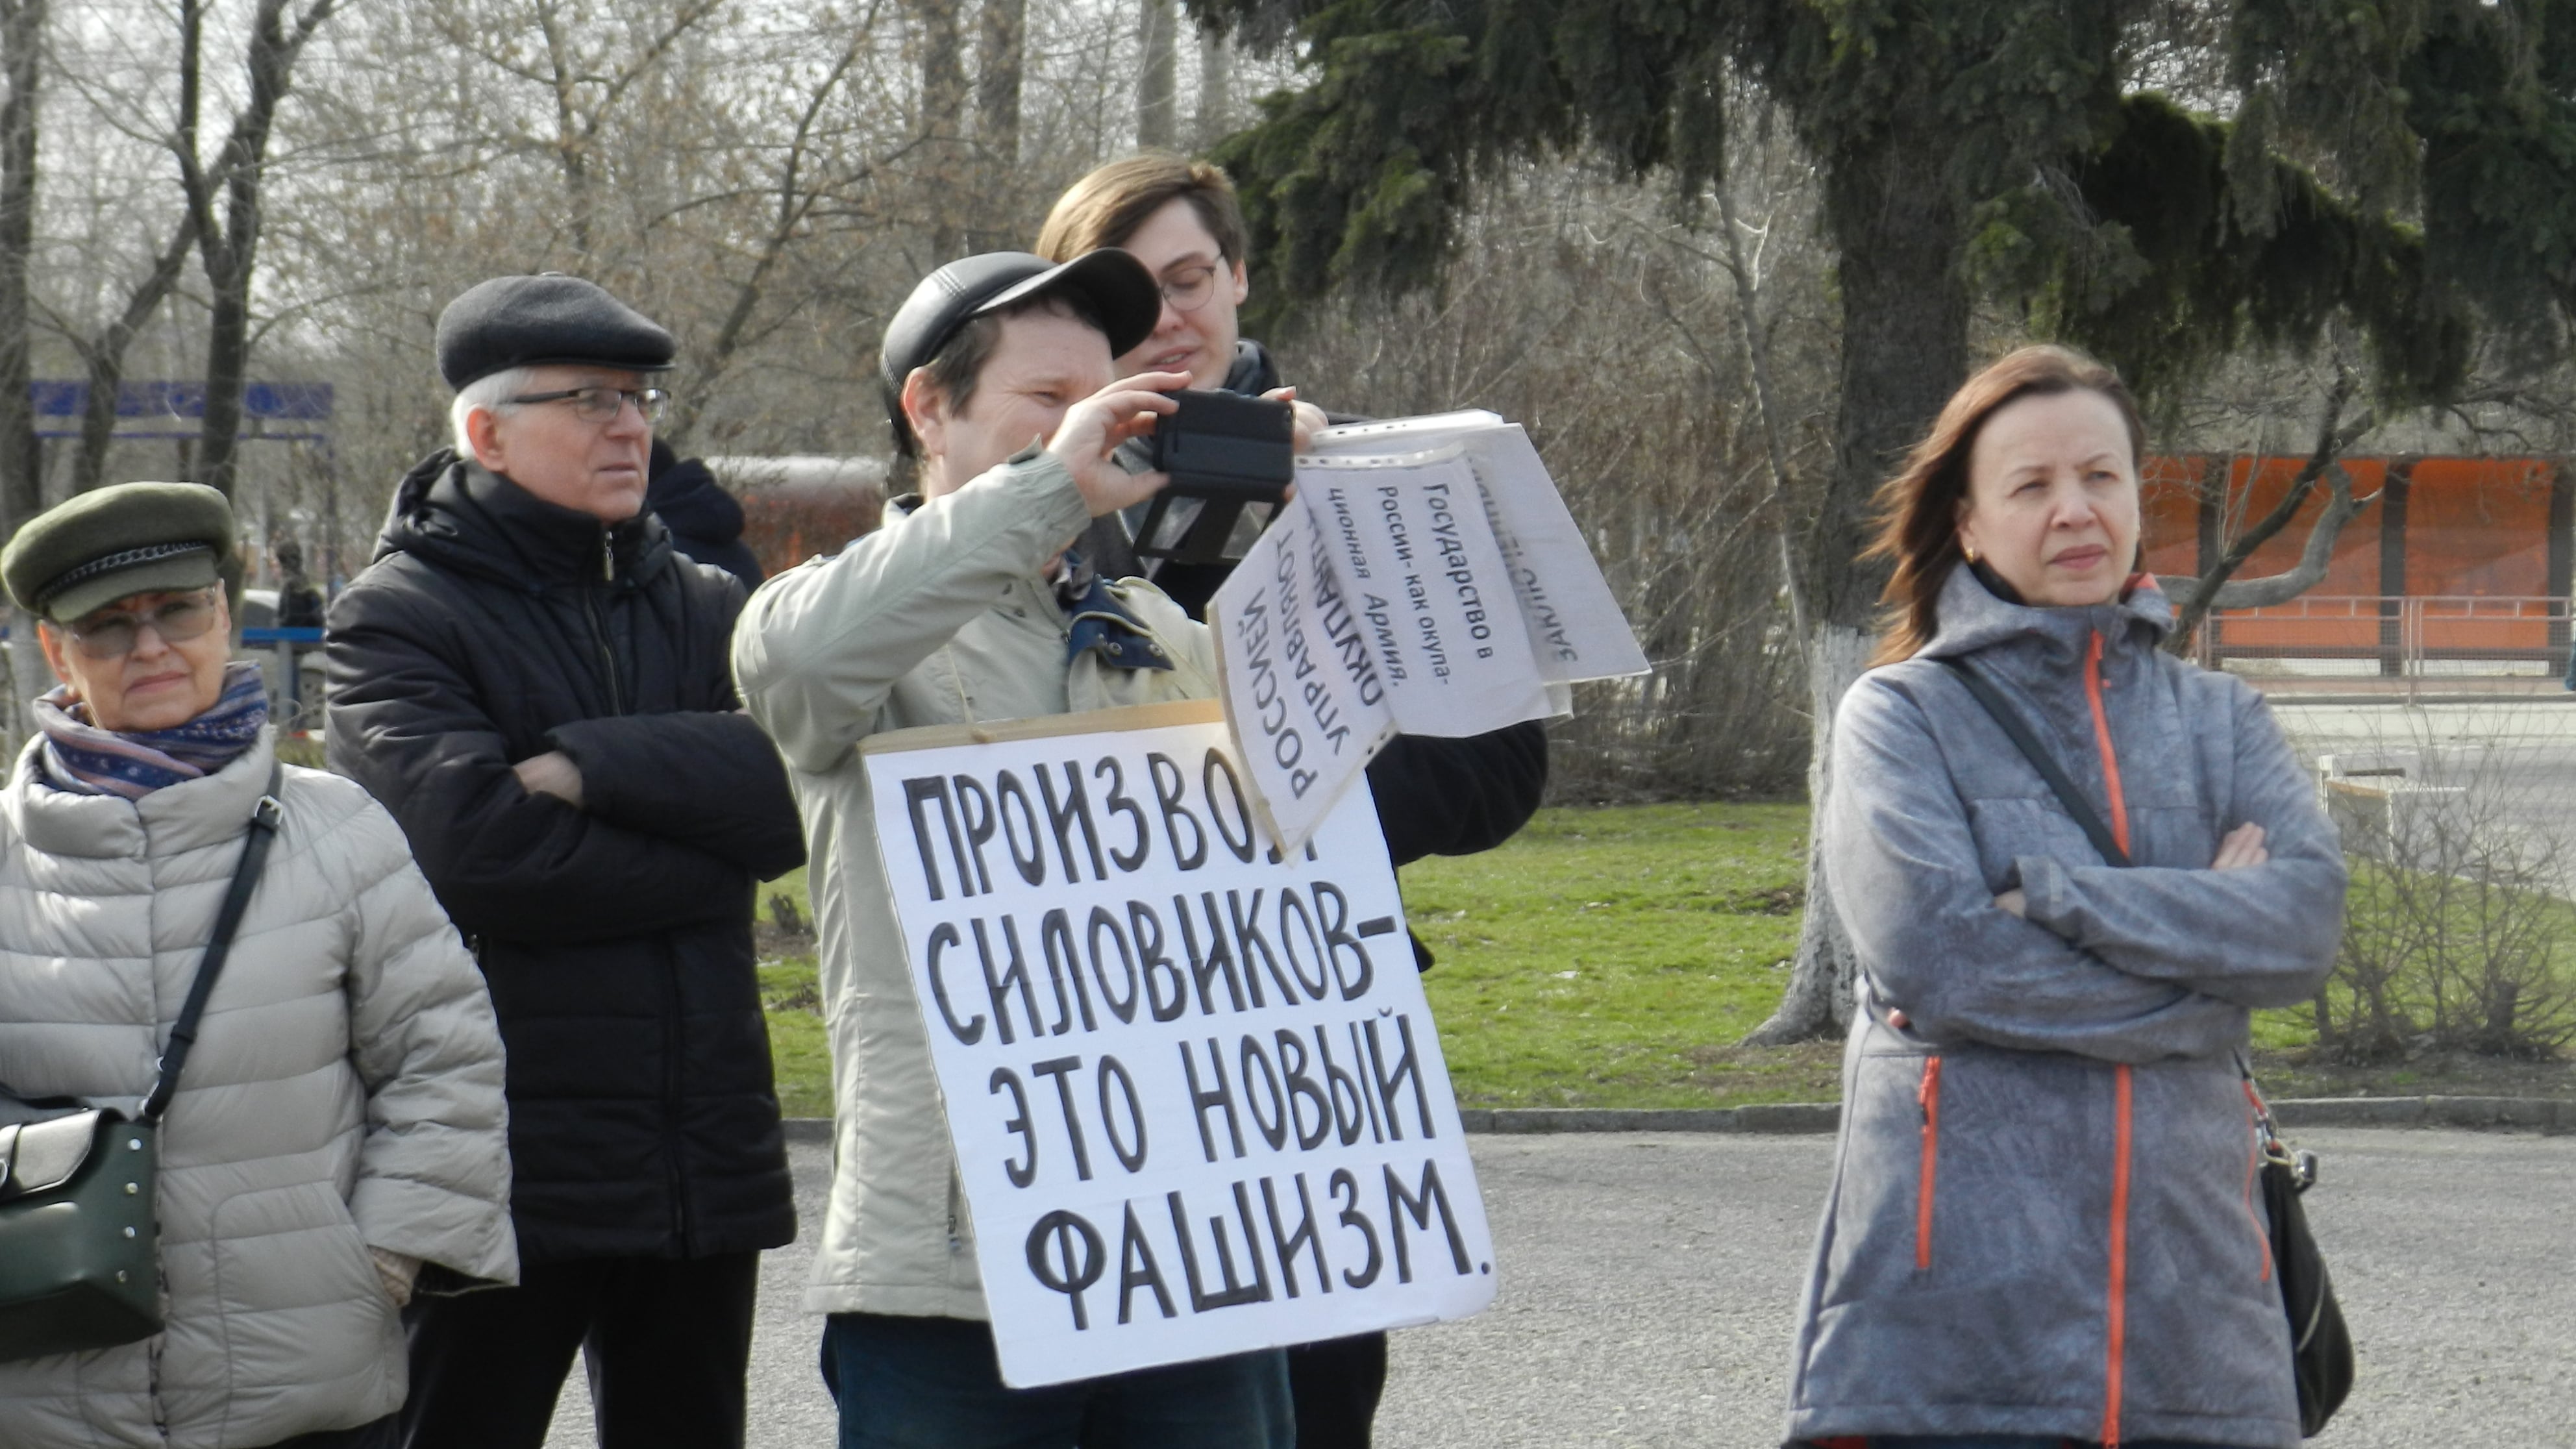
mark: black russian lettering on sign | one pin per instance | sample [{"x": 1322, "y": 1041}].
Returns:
[
  {"x": 1021, "y": 1174},
  {"x": 1061, "y": 1068},
  {"x": 1333, "y": 909},
  {"x": 1350, "y": 1108},
  {"x": 975, "y": 812},
  {"x": 1233, "y": 1293},
  {"x": 918, "y": 792},
  {"x": 942, "y": 937},
  {"x": 1219, "y": 1097},
  {"x": 1137, "y": 1269},
  {"x": 1217, "y": 960},
  {"x": 1302, "y": 1091},
  {"x": 1302, "y": 927},
  {"x": 1014, "y": 974},
  {"x": 1407, "y": 1066},
  {"x": 1308, "y": 1238},
  {"x": 1252, "y": 948},
  {"x": 1115, "y": 801},
  {"x": 1260, "y": 1081},
  {"x": 1368, "y": 1099},
  {"x": 1064, "y": 961},
  {"x": 1131, "y": 1155},
  {"x": 1214, "y": 765},
  {"x": 1419, "y": 1204},
  {"x": 1020, "y": 832},
  {"x": 1074, "y": 809},
  {"x": 1160, "y": 970},
  {"x": 1065, "y": 1253},
  {"x": 1170, "y": 793},
  {"x": 1121, "y": 1006},
  {"x": 1346, "y": 1185}
]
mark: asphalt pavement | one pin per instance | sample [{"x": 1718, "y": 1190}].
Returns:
[{"x": 1649, "y": 1279}]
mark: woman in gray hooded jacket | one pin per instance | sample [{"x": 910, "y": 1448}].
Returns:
[{"x": 2044, "y": 1226}]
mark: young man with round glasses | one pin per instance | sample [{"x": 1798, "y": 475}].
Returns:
[
  {"x": 1434, "y": 796},
  {"x": 535, "y": 684}
]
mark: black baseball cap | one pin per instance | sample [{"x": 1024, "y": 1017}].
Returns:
[
  {"x": 548, "y": 318},
  {"x": 1115, "y": 287}
]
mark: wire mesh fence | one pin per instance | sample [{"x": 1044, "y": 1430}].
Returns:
[{"x": 2395, "y": 644}]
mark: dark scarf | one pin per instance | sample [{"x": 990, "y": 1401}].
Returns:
[
  {"x": 1101, "y": 624},
  {"x": 86, "y": 760}
]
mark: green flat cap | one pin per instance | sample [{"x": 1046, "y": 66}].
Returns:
[{"x": 129, "y": 538}]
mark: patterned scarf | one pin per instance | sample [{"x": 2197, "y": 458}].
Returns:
[{"x": 86, "y": 760}]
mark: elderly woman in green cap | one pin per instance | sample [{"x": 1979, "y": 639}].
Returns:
[{"x": 335, "y": 1140}]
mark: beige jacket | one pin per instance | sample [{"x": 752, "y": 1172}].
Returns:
[
  {"x": 940, "y": 617},
  {"x": 345, "y": 1093}
]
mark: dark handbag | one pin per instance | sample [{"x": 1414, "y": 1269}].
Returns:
[
  {"x": 2321, "y": 1355},
  {"x": 78, "y": 1264}
]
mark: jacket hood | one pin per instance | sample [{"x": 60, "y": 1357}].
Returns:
[
  {"x": 1972, "y": 618},
  {"x": 689, "y": 500},
  {"x": 454, "y": 512}
]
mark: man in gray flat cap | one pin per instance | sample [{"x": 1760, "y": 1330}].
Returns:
[{"x": 535, "y": 684}]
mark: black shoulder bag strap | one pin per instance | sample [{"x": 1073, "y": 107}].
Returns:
[
  {"x": 2041, "y": 760},
  {"x": 183, "y": 1032}
]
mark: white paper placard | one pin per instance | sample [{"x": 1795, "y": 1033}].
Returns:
[
  {"x": 1196, "y": 1096},
  {"x": 1305, "y": 670},
  {"x": 1576, "y": 630}
]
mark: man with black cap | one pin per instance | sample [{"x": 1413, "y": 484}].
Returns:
[
  {"x": 966, "y": 607},
  {"x": 535, "y": 685}
]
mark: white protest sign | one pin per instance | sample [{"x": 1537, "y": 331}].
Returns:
[
  {"x": 1417, "y": 556},
  {"x": 1377, "y": 603},
  {"x": 1196, "y": 1097},
  {"x": 1303, "y": 680},
  {"x": 1575, "y": 627}
]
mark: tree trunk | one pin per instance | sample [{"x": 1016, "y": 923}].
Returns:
[
  {"x": 22, "y": 28},
  {"x": 22, "y": 457},
  {"x": 1158, "y": 101},
  {"x": 1897, "y": 232},
  {"x": 231, "y": 255},
  {"x": 943, "y": 122},
  {"x": 1216, "y": 90},
  {"x": 998, "y": 66}
]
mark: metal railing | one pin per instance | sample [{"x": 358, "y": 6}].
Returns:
[{"x": 2396, "y": 643}]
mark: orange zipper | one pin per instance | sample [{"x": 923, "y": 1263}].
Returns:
[
  {"x": 2102, "y": 738},
  {"x": 1929, "y": 1095},
  {"x": 2119, "y": 1261},
  {"x": 2122, "y": 1085}
]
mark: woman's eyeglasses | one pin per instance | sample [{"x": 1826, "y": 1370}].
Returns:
[
  {"x": 1189, "y": 288},
  {"x": 177, "y": 620},
  {"x": 601, "y": 404}
]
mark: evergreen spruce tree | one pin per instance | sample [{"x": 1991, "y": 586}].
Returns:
[{"x": 2404, "y": 167}]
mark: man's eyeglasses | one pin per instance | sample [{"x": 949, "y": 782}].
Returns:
[
  {"x": 601, "y": 404},
  {"x": 1189, "y": 288},
  {"x": 176, "y": 620}
]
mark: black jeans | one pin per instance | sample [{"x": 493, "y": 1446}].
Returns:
[
  {"x": 1336, "y": 1385},
  {"x": 667, "y": 1341}
]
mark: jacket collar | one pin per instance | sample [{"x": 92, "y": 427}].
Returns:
[
  {"x": 170, "y": 821},
  {"x": 1973, "y": 619},
  {"x": 454, "y": 511}
]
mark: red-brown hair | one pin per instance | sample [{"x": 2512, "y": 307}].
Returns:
[{"x": 1918, "y": 509}]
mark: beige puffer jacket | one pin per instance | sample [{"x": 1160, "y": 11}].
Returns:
[
  {"x": 344, "y": 1093},
  {"x": 940, "y": 617}
]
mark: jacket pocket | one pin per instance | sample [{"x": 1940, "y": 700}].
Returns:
[{"x": 1929, "y": 1096}]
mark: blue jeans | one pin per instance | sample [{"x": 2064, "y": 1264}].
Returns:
[{"x": 933, "y": 1383}]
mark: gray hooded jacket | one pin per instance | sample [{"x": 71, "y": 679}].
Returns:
[{"x": 2044, "y": 1217}]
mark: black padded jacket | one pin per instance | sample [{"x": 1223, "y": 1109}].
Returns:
[{"x": 616, "y": 937}]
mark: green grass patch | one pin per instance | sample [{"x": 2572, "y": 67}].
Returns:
[{"x": 1611, "y": 957}]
